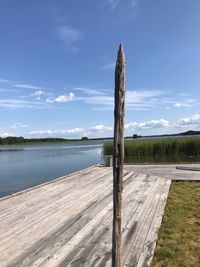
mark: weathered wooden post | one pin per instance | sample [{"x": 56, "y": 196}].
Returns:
[{"x": 118, "y": 158}]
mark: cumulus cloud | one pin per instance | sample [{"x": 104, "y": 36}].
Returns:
[
  {"x": 101, "y": 127},
  {"x": 193, "y": 120},
  {"x": 57, "y": 132},
  {"x": 3, "y": 135},
  {"x": 61, "y": 98},
  {"x": 98, "y": 129},
  {"x": 75, "y": 131},
  {"x": 148, "y": 124}
]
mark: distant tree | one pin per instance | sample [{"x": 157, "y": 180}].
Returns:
[
  {"x": 135, "y": 136},
  {"x": 84, "y": 138}
]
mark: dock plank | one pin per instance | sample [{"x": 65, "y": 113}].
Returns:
[{"x": 68, "y": 221}]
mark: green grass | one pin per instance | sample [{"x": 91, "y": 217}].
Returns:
[
  {"x": 163, "y": 149},
  {"x": 179, "y": 236}
]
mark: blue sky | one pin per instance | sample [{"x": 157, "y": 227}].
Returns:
[{"x": 57, "y": 63}]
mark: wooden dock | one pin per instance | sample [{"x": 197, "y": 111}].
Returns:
[
  {"x": 68, "y": 221},
  {"x": 177, "y": 172}
]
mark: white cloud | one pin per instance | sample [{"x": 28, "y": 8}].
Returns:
[
  {"x": 57, "y": 132},
  {"x": 103, "y": 130},
  {"x": 5, "y": 131},
  {"x": 140, "y": 96},
  {"x": 90, "y": 91},
  {"x": 186, "y": 103},
  {"x": 38, "y": 93},
  {"x": 100, "y": 100},
  {"x": 42, "y": 132},
  {"x": 91, "y": 131},
  {"x": 15, "y": 103},
  {"x": 3, "y": 135},
  {"x": 179, "y": 105},
  {"x": 75, "y": 131},
  {"x": 137, "y": 100},
  {"x": 61, "y": 98},
  {"x": 148, "y": 124},
  {"x": 189, "y": 121},
  {"x": 101, "y": 127},
  {"x": 27, "y": 86}
]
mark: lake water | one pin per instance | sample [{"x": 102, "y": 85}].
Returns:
[{"x": 25, "y": 166}]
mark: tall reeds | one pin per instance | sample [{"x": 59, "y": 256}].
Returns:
[{"x": 163, "y": 147}]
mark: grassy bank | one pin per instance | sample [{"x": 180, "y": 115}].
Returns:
[
  {"x": 179, "y": 235},
  {"x": 165, "y": 149}
]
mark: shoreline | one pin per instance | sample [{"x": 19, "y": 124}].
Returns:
[
  {"x": 151, "y": 168},
  {"x": 54, "y": 142},
  {"x": 44, "y": 183}
]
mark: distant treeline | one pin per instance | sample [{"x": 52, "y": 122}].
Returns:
[
  {"x": 12, "y": 140},
  {"x": 21, "y": 140},
  {"x": 187, "y": 133}
]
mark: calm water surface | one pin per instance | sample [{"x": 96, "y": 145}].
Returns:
[{"x": 25, "y": 166}]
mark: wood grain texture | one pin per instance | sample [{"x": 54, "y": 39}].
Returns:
[
  {"x": 68, "y": 222},
  {"x": 177, "y": 172},
  {"x": 118, "y": 158}
]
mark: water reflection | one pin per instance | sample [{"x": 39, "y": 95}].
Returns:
[{"x": 25, "y": 166}]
